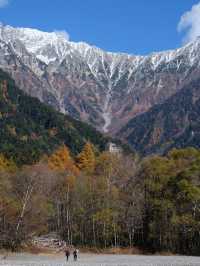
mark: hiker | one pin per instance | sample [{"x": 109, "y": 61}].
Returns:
[
  {"x": 75, "y": 253},
  {"x": 67, "y": 254}
]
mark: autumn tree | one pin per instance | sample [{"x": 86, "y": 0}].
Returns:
[
  {"x": 62, "y": 161},
  {"x": 66, "y": 174},
  {"x": 86, "y": 159}
]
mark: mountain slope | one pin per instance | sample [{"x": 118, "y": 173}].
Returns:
[
  {"x": 102, "y": 88},
  {"x": 175, "y": 123},
  {"x": 29, "y": 129}
]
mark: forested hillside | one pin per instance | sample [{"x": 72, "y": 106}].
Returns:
[
  {"x": 30, "y": 129},
  {"x": 172, "y": 124}
]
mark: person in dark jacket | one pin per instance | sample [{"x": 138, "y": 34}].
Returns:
[
  {"x": 75, "y": 253},
  {"x": 67, "y": 254}
]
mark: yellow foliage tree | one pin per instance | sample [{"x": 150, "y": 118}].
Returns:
[
  {"x": 86, "y": 159},
  {"x": 61, "y": 161},
  {"x": 6, "y": 165}
]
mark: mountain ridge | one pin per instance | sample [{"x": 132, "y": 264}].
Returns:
[{"x": 102, "y": 88}]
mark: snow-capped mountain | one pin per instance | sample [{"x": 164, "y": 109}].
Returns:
[{"x": 105, "y": 89}]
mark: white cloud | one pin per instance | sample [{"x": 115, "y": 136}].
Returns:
[
  {"x": 4, "y": 3},
  {"x": 190, "y": 24},
  {"x": 62, "y": 33}
]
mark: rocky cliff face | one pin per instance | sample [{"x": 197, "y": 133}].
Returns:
[{"x": 102, "y": 88}]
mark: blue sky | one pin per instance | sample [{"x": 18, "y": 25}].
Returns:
[{"x": 133, "y": 26}]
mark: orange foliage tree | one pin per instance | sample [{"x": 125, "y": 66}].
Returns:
[
  {"x": 86, "y": 159},
  {"x": 62, "y": 161}
]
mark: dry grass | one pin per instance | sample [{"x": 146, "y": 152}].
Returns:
[
  {"x": 118, "y": 250},
  {"x": 29, "y": 248},
  {"x": 164, "y": 253}
]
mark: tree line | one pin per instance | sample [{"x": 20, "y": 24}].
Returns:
[{"x": 103, "y": 199}]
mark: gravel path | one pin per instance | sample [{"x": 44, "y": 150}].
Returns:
[{"x": 99, "y": 260}]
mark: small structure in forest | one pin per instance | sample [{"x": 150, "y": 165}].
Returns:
[{"x": 113, "y": 148}]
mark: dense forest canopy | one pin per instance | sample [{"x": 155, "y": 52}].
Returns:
[{"x": 101, "y": 199}]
